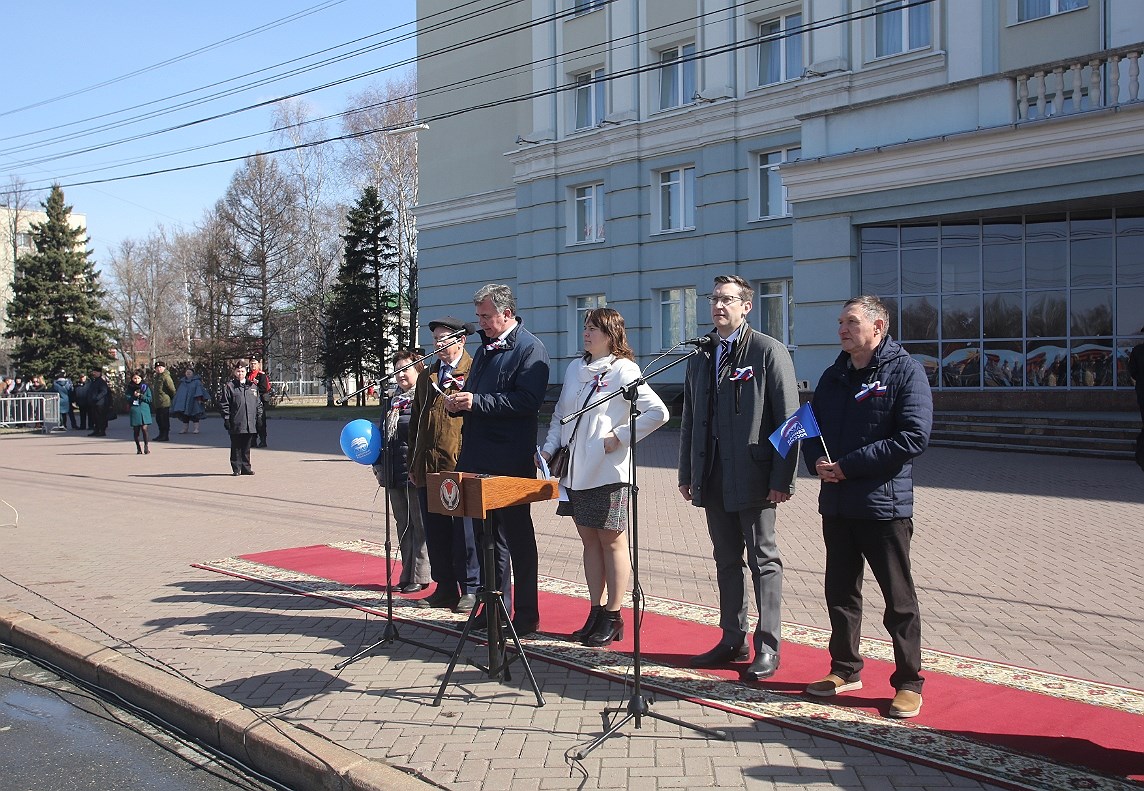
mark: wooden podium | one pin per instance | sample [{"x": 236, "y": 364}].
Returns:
[
  {"x": 474, "y": 495},
  {"x": 471, "y": 496}
]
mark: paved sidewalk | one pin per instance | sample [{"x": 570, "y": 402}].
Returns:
[{"x": 1027, "y": 559}]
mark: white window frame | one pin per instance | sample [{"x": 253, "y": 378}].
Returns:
[
  {"x": 673, "y": 208},
  {"x": 1055, "y": 7},
  {"x": 586, "y": 218},
  {"x": 785, "y": 296},
  {"x": 677, "y": 76},
  {"x": 767, "y": 182},
  {"x": 680, "y": 300},
  {"x": 906, "y": 15},
  {"x": 589, "y": 96},
  {"x": 580, "y": 305},
  {"x": 788, "y": 52}
]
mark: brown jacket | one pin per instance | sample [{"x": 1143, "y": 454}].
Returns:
[{"x": 434, "y": 434}]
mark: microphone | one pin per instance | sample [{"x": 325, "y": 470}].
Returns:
[
  {"x": 469, "y": 328},
  {"x": 701, "y": 342}
]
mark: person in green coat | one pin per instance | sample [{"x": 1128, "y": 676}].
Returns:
[
  {"x": 139, "y": 403},
  {"x": 163, "y": 390}
]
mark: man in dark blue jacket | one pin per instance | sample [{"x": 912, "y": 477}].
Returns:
[
  {"x": 875, "y": 409},
  {"x": 500, "y": 402}
]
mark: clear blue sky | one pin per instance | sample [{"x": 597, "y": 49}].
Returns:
[{"x": 55, "y": 49}]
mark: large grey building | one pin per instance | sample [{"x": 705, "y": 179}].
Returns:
[{"x": 978, "y": 163}]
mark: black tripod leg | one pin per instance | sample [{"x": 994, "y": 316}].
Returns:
[
  {"x": 523, "y": 657},
  {"x": 639, "y": 707},
  {"x": 456, "y": 656}
]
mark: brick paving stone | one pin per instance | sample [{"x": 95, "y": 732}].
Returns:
[{"x": 994, "y": 531}]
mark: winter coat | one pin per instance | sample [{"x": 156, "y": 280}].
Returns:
[
  {"x": 63, "y": 386},
  {"x": 240, "y": 406},
  {"x": 98, "y": 395},
  {"x": 396, "y": 421},
  {"x": 434, "y": 434},
  {"x": 874, "y": 421},
  {"x": 139, "y": 404},
  {"x": 743, "y": 416},
  {"x": 590, "y": 466},
  {"x": 163, "y": 388},
  {"x": 190, "y": 397},
  {"x": 261, "y": 383},
  {"x": 508, "y": 382}
]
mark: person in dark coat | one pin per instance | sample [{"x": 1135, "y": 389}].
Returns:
[
  {"x": 500, "y": 403},
  {"x": 405, "y": 508},
  {"x": 874, "y": 407},
  {"x": 139, "y": 399},
  {"x": 64, "y": 387},
  {"x": 162, "y": 391},
  {"x": 98, "y": 402},
  {"x": 261, "y": 383},
  {"x": 737, "y": 391},
  {"x": 241, "y": 409}
]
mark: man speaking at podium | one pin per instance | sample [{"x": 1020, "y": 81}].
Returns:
[{"x": 500, "y": 402}]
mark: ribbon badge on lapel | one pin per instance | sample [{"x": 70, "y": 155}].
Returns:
[
  {"x": 400, "y": 402},
  {"x": 743, "y": 374},
  {"x": 497, "y": 345},
  {"x": 455, "y": 380},
  {"x": 599, "y": 382},
  {"x": 875, "y": 388}
]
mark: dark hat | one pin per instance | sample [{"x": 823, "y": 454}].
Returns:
[{"x": 452, "y": 322}]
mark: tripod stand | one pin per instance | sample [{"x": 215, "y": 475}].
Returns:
[
  {"x": 639, "y": 705},
  {"x": 491, "y": 603},
  {"x": 390, "y": 635}
]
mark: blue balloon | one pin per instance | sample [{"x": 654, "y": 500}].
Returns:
[{"x": 361, "y": 441}]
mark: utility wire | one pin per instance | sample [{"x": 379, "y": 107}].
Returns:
[{"x": 845, "y": 18}]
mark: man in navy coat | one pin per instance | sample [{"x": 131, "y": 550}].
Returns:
[{"x": 500, "y": 403}]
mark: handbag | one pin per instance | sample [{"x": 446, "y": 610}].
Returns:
[{"x": 562, "y": 457}]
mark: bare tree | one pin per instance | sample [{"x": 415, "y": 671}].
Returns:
[
  {"x": 145, "y": 297},
  {"x": 260, "y": 211},
  {"x": 388, "y": 163}
]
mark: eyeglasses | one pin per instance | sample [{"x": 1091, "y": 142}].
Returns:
[{"x": 729, "y": 300}]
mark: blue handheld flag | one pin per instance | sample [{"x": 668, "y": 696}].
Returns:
[{"x": 799, "y": 426}]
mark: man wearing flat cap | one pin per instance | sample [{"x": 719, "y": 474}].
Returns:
[{"x": 434, "y": 445}]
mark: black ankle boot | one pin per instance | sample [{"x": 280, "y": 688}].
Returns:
[
  {"x": 590, "y": 624},
  {"x": 609, "y": 627}
]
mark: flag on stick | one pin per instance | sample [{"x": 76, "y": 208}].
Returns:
[{"x": 799, "y": 426}]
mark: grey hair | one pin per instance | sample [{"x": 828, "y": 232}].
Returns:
[
  {"x": 872, "y": 306},
  {"x": 500, "y": 295}
]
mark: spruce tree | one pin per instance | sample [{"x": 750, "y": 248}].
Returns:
[
  {"x": 56, "y": 316},
  {"x": 359, "y": 312}
]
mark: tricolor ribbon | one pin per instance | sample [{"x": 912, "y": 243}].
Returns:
[
  {"x": 400, "y": 402},
  {"x": 457, "y": 380},
  {"x": 599, "y": 382},
  {"x": 743, "y": 374},
  {"x": 499, "y": 343},
  {"x": 875, "y": 388}
]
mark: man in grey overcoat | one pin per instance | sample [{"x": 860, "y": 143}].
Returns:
[{"x": 737, "y": 391}]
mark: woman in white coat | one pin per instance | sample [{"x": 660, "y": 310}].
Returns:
[{"x": 597, "y": 479}]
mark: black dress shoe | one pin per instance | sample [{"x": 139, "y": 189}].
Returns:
[
  {"x": 413, "y": 587},
  {"x": 524, "y": 629},
  {"x": 721, "y": 655},
  {"x": 466, "y": 603},
  {"x": 764, "y": 666},
  {"x": 439, "y": 599},
  {"x": 248, "y": 472}
]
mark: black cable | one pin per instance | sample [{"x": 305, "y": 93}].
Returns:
[{"x": 848, "y": 17}]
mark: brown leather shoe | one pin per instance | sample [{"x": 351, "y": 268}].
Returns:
[
  {"x": 832, "y": 685},
  {"x": 905, "y": 704}
]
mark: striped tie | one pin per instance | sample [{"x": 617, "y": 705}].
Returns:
[{"x": 724, "y": 360}]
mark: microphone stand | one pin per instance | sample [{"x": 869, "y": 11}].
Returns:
[
  {"x": 639, "y": 705},
  {"x": 390, "y": 635}
]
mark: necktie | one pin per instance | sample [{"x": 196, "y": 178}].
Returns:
[
  {"x": 444, "y": 374},
  {"x": 724, "y": 361}
]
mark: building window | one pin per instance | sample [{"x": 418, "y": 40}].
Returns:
[
  {"x": 1035, "y": 9},
  {"x": 677, "y": 320},
  {"x": 772, "y": 194},
  {"x": 584, "y": 6},
  {"x": 589, "y": 99},
  {"x": 675, "y": 209},
  {"x": 900, "y": 27},
  {"x": 580, "y": 308},
  {"x": 774, "y": 303},
  {"x": 1054, "y": 300},
  {"x": 676, "y": 76},
  {"x": 24, "y": 241},
  {"x": 780, "y": 49},
  {"x": 588, "y": 223}
]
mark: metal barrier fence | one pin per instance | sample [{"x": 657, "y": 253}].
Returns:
[{"x": 35, "y": 411}]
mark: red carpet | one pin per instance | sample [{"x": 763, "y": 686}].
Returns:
[{"x": 997, "y": 723}]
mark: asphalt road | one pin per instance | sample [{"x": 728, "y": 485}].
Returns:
[{"x": 55, "y": 736}]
